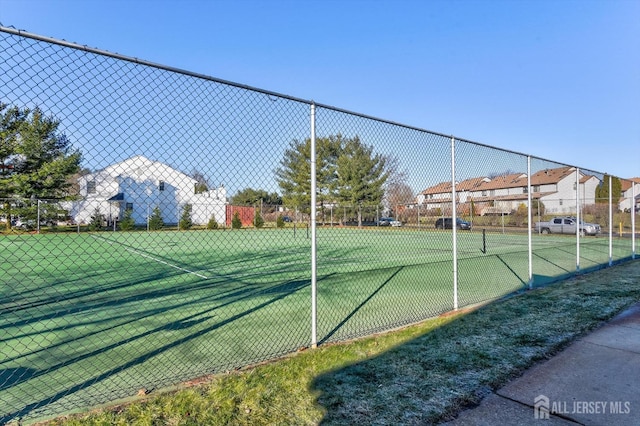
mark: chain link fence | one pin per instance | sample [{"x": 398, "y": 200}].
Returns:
[{"x": 160, "y": 225}]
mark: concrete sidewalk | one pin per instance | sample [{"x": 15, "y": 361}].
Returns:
[{"x": 595, "y": 381}]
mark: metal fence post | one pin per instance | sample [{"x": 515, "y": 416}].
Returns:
[
  {"x": 529, "y": 218},
  {"x": 610, "y": 221},
  {"x": 38, "y": 218},
  {"x": 314, "y": 318},
  {"x": 577, "y": 219},
  {"x": 633, "y": 220},
  {"x": 454, "y": 223}
]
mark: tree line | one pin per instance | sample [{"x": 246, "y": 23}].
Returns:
[{"x": 37, "y": 161}]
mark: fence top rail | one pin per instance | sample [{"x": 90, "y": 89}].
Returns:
[{"x": 26, "y": 34}]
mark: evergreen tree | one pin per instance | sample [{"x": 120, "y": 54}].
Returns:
[
  {"x": 236, "y": 222},
  {"x": 213, "y": 223},
  {"x": 361, "y": 175},
  {"x": 185, "y": 218},
  {"x": 36, "y": 160},
  {"x": 95, "y": 224},
  {"x": 294, "y": 174},
  {"x": 258, "y": 221},
  {"x": 155, "y": 221},
  {"x": 250, "y": 196},
  {"x": 602, "y": 190},
  {"x": 127, "y": 223}
]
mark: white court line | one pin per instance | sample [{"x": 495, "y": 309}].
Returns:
[{"x": 150, "y": 257}]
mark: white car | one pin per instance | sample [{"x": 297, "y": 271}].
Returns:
[{"x": 389, "y": 221}]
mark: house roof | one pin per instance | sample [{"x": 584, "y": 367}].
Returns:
[
  {"x": 551, "y": 176},
  {"x": 512, "y": 180},
  {"x": 585, "y": 178},
  {"x": 472, "y": 184},
  {"x": 440, "y": 188},
  {"x": 141, "y": 166},
  {"x": 625, "y": 184}
]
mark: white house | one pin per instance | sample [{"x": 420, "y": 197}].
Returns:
[
  {"x": 140, "y": 185},
  {"x": 628, "y": 193},
  {"x": 555, "y": 188}
]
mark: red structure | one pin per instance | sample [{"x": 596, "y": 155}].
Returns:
[{"x": 246, "y": 215}]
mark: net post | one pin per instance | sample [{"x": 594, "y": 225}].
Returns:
[{"x": 484, "y": 241}]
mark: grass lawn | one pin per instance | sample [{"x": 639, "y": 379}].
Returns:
[
  {"x": 92, "y": 318},
  {"x": 420, "y": 374}
]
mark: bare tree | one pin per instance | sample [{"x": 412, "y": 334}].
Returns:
[
  {"x": 396, "y": 192},
  {"x": 202, "y": 184}
]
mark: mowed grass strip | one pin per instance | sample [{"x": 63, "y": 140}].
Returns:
[{"x": 420, "y": 374}]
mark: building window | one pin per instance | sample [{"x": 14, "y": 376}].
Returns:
[
  {"x": 128, "y": 206},
  {"x": 161, "y": 185},
  {"x": 574, "y": 186},
  {"x": 91, "y": 187},
  {"x": 536, "y": 188},
  {"x": 560, "y": 202},
  {"x": 525, "y": 190},
  {"x": 484, "y": 193}
]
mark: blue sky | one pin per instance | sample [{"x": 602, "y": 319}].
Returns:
[{"x": 554, "y": 79}]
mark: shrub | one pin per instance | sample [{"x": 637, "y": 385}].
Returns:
[
  {"x": 155, "y": 221},
  {"x": 213, "y": 223},
  {"x": 258, "y": 221},
  {"x": 280, "y": 222},
  {"x": 236, "y": 222},
  {"x": 127, "y": 223},
  {"x": 185, "y": 218},
  {"x": 96, "y": 220}
]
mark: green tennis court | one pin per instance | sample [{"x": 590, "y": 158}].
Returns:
[{"x": 91, "y": 318}]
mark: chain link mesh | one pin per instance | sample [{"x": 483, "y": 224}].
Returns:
[{"x": 163, "y": 231}]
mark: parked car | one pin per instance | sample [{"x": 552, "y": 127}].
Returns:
[
  {"x": 30, "y": 224},
  {"x": 566, "y": 225},
  {"x": 287, "y": 219},
  {"x": 388, "y": 221},
  {"x": 447, "y": 223}
]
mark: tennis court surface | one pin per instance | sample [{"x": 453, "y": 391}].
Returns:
[{"x": 91, "y": 318}]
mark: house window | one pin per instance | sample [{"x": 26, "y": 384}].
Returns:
[
  {"x": 161, "y": 185},
  {"x": 484, "y": 193},
  {"x": 560, "y": 202},
  {"x": 128, "y": 206},
  {"x": 525, "y": 190},
  {"x": 574, "y": 186},
  {"x": 536, "y": 188},
  {"x": 91, "y": 187},
  {"x": 492, "y": 193}
]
